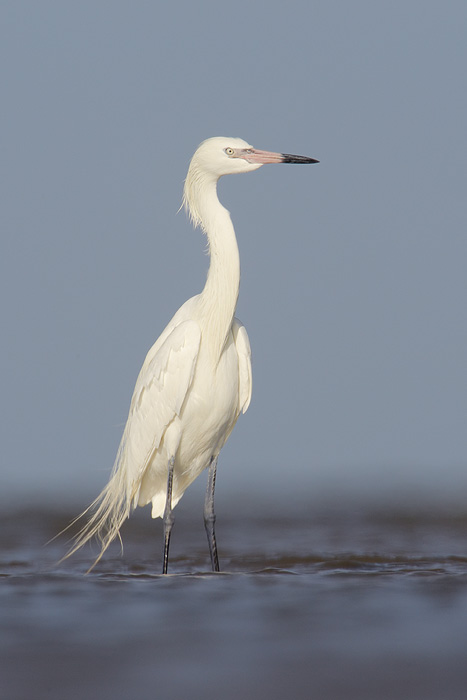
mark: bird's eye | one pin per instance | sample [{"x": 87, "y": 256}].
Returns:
[{"x": 229, "y": 151}]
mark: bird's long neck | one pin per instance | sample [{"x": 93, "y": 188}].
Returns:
[{"x": 218, "y": 299}]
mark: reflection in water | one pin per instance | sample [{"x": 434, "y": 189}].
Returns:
[{"x": 332, "y": 604}]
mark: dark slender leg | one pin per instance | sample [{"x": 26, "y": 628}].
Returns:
[
  {"x": 168, "y": 518},
  {"x": 209, "y": 515}
]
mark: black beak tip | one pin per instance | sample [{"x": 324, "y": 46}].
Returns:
[{"x": 288, "y": 158}]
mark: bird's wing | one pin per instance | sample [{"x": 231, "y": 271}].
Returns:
[
  {"x": 159, "y": 395},
  {"x": 242, "y": 344},
  {"x": 160, "y": 392}
]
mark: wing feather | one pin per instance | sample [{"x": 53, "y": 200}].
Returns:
[
  {"x": 242, "y": 344},
  {"x": 160, "y": 392},
  {"x": 159, "y": 395}
]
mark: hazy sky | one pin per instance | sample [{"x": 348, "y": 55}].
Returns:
[{"x": 354, "y": 289}]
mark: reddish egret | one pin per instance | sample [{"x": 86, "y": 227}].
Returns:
[{"x": 196, "y": 379}]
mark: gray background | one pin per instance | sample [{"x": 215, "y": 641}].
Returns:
[{"x": 353, "y": 271}]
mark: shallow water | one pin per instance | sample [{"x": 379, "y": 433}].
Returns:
[{"x": 331, "y": 603}]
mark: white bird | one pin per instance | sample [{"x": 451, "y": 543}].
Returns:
[{"x": 196, "y": 378}]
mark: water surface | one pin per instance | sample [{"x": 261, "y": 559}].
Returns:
[{"x": 344, "y": 602}]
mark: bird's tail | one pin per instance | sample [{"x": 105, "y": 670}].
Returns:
[{"x": 109, "y": 511}]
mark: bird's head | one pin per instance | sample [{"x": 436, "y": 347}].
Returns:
[{"x": 220, "y": 155}]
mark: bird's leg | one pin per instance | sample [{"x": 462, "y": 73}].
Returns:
[
  {"x": 209, "y": 515},
  {"x": 168, "y": 518}
]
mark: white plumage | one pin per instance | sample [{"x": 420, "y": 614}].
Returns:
[{"x": 196, "y": 379}]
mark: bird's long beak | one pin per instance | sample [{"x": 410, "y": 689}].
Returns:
[{"x": 253, "y": 155}]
